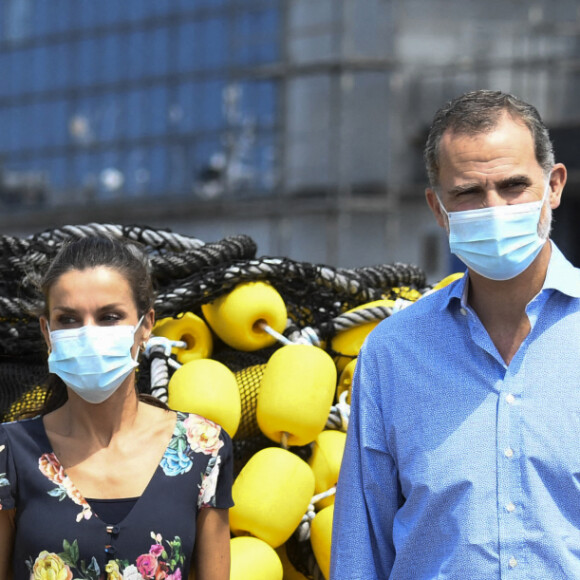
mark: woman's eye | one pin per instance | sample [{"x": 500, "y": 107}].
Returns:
[
  {"x": 65, "y": 320},
  {"x": 111, "y": 318}
]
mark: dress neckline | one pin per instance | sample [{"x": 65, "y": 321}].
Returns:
[{"x": 56, "y": 472}]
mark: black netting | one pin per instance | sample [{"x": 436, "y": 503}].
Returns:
[{"x": 187, "y": 273}]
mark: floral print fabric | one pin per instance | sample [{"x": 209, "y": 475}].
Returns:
[
  {"x": 163, "y": 561},
  {"x": 59, "y": 536}
]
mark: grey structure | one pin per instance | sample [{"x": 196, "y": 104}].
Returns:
[{"x": 298, "y": 122}]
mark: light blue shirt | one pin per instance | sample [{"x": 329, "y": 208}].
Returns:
[{"x": 458, "y": 466}]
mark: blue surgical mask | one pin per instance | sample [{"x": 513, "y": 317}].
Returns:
[
  {"x": 497, "y": 242},
  {"x": 93, "y": 360}
]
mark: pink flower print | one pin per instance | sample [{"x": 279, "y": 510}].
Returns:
[
  {"x": 51, "y": 468},
  {"x": 207, "y": 489},
  {"x": 203, "y": 435},
  {"x": 156, "y": 550},
  {"x": 147, "y": 565},
  {"x": 175, "y": 576}
]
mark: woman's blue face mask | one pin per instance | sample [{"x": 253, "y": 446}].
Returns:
[{"x": 93, "y": 361}]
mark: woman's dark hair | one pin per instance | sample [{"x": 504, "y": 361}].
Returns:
[
  {"x": 121, "y": 255},
  {"x": 125, "y": 257}
]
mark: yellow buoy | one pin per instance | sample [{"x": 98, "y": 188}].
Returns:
[
  {"x": 290, "y": 572},
  {"x": 407, "y": 293},
  {"x": 296, "y": 394},
  {"x": 349, "y": 341},
  {"x": 271, "y": 494},
  {"x": 190, "y": 329},
  {"x": 447, "y": 280},
  {"x": 206, "y": 387},
  {"x": 253, "y": 559},
  {"x": 321, "y": 538},
  {"x": 325, "y": 461},
  {"x": 345, "y": 380},
  {"x": 237, "y": 317}
]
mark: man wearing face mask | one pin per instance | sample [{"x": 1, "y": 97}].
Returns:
[{"x": 462, "y": 457}]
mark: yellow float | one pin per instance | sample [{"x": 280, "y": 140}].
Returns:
[
  {"x": 296, "y": 393},
  {"x": 238, "y": 317},
  {"x": 271, "y": 494},
  {"x": 321, "y": 538},
  {"x": 190, "y": 329},
  {"x": 209, "y": 388},
  {"x": 253, "y": 559},
  {"x": 349, "y": 341},
  {"x": 447, "y": 280},
  {"x": 325, "y": 461},
  {"x": 345, "y": 380}
]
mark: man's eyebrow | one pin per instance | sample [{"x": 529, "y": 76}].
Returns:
[
  {"x": 515, "y": 180},
  {"x": 465, "y": 188},
  {"x": 502, "y": 184}
]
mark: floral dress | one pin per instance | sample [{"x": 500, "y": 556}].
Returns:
[{"x": 58, "y": 536}]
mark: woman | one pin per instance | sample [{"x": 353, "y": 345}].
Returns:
[{"x": 103, "y": 484}]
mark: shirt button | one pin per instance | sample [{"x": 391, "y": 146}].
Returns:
[
  {"x": 510, "y": 399},
  {"x": 512, "y": 562},
  {"x": 510, "y": 507},
  {"x": 463, "y": 311},
  {"x": 509, "y": 452}
]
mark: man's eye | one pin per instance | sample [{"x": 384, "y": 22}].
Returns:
[{"x": 517, "y": 187}]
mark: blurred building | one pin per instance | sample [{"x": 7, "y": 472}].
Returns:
[{"x": 298, "y": 122}]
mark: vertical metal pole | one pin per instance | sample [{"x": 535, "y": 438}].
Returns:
[
  {"x": 337, "y": 216},
  {"x": 278, "y": 226}
]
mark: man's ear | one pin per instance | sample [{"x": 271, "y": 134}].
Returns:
[
  {"x": 557, "y": 182},
  {"x": 433, "y": 202}
]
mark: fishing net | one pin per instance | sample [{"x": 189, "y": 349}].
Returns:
[{"x": 187, "y": 274}]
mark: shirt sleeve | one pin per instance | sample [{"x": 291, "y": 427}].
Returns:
[
  {"x": 216, "y": 487},
  {"x": 368, "y": 492},
  {"x": 7, "y": 473}
]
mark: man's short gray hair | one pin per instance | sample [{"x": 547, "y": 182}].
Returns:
[{"x": 479, "y": 112}]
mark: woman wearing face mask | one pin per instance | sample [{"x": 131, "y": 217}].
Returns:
[{"x": 104, "y": 483}]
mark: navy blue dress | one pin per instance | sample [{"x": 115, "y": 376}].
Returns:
[{"x": 58, "y": 532}]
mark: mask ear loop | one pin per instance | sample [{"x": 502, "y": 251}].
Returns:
[
  {"x": 445, "y": 212},
  {"x": 142, "y": 344},
  {"x": 49, "y": 331},
  {"x": 545, "y": 198}
]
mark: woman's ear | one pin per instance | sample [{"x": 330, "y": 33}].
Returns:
[
  {"x": 44, "y": 328},
  {"x": 147, "y": 324}
]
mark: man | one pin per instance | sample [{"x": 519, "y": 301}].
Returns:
[{"x": 463, "y": 451}]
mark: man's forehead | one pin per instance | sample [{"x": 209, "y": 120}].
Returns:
[{"x": 503, "y": 121}]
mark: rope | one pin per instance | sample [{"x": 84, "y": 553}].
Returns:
[
  {"x": 339, "y": 414},
  {"x": 158, "y": 350},
  {"x": 303, "y": 529}
]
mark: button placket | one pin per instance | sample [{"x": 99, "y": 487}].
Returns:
[
  {"x": 110, "y": 549},
  {"x": 509, "y": 475}
]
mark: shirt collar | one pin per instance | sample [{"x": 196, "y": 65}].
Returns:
[{"x": 561, "y": 276}]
